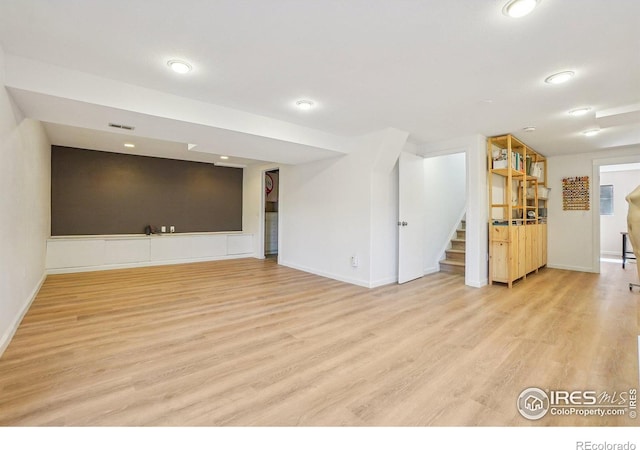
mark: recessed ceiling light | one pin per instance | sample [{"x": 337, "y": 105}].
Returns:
[
  {"x": 579, "y": 111},
  {"x": 130, "y": 145},
  {"x": 179, "y": 66},
  {"x": 305, "y": 105},
  {"x": 591, "y": 132},
  {"x": 560, "y": 77},
  {"x": 224, "y": 157},
  {"x": 519, "y": 8},
  {"x": 529, "y": 129}
]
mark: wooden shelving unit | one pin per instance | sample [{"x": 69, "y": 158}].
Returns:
[{"x": 517, "y": 209}]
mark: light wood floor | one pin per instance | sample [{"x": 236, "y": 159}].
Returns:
[{"x": 248, "y": 342}]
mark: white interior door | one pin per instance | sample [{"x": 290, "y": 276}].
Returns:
[{"x": 411, "y": 209}]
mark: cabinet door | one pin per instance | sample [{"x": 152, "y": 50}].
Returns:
[
  {"x": 520, "y": 251},
  {"x": 500, "y": 261},
  {"x": 542, "y": 244},
  {"x": 532, "y": 247}
]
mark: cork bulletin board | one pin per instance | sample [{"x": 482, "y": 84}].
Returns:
[{"x": 575, "y": 193}]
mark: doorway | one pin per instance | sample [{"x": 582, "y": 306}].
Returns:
[
  {"x": 616, "y": 182},
  {"x": 271, "y": 217},
  {"x": 432, "y": 208}
]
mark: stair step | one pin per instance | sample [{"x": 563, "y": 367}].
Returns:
[
  {"x": 450, "y": 266},
  {"x": 455, "y": 254},
  {"x": 463, "y": 224},
  {"x": 461, "y": 234},
  {"x": 458, "y": 244},
  {"x": 450, "y": 262}
]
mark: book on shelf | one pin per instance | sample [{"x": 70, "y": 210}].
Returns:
[{"x": 516, "y": 161}]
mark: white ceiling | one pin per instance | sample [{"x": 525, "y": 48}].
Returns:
[{"x": 427, "y": 67}]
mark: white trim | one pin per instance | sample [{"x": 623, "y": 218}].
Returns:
[
  {"x": 430, "y": 270},
  {"x": 145, "y": 264},
  {"x": 11, "y": 331},
  {"x": 573, "y": 268},
  {"x": 477, "y": 284},
  {"x": 322, "y": 273},
  {"x": 383, "y": 282},
  {"x": 613, "y": 260},
  {"x": 595, "y": 236}
]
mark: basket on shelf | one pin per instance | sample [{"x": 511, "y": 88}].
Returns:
[{"x": 543, "y": 193}]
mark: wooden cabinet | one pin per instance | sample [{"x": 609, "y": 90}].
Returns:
[
  {"x": 508, "y": 253},
  {"x": 517, "y": 209}
]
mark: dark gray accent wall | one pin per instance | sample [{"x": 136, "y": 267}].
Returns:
[{"x": 95, "y": 192}]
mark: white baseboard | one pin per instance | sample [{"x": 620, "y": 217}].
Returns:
[
  {"x": 11, "y": 331},
  {"x": 430, "y": 270},
  {"x": 476, "y": 283},
  {"x": 321, "y": 273},
  {"x": 383, "y": 282},
  {"x": 572, "y": 268},
  {"x": 612, "y": 254},
  {"x": 144, "y": 264}
]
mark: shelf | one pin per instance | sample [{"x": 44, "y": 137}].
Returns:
[
  {"x": 505, "y": 172},
  {"x": 517, "y": 246}
]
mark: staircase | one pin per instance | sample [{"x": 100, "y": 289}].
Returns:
[{"x": 454, "y": 260}]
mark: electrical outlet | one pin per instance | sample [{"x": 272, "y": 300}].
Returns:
[
  {"x": 172, "y": 229},
  {"x": 354, "y": 261}
]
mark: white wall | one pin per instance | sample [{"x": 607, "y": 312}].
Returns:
[
  {"x": 610, "y": 226},
  {"x": 25, "y": 211},
  {"x": 574, "y": 236},
  {"x": 325, "y": 218},
  {"x": 334, "y": 209},
  {"x": 446, "y": 196}
]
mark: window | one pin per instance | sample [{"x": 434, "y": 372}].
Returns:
[{"x": 606, "y": 200}]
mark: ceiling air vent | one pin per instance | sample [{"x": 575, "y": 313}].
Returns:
[{"x": 122, "y": 127}]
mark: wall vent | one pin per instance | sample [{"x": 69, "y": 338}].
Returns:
[{"x": 122, "y": 127}]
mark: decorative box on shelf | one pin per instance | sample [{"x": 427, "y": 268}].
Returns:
[{"x": 500, "y": 164}]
